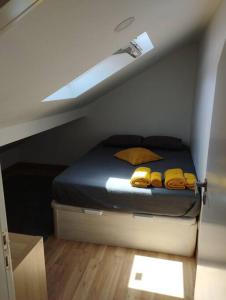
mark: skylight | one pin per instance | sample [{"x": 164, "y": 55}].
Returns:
[{"x": 106, "y": 68}]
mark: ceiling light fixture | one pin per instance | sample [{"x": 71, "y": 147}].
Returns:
[{"x": 124, "y": 24}]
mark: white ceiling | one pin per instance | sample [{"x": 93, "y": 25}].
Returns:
[{"x": 59, "y": 40}]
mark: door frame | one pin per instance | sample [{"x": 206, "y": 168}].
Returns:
[
  {"x": 7, "y": 289},
  {"x": 211, "y": 258}
]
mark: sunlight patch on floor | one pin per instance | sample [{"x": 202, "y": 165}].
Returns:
[{"x": 158, "y": 276}]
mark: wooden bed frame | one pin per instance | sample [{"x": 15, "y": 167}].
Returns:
[{"x": 153, "y": 233}]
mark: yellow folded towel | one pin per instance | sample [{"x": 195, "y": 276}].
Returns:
[
  {"x": 156, "y": 179},
  {"x": 174, "y": 179},
  {"x": 141, "y": 177},
  {"x": 190, "y": 180},
  {"x": 173, "y": 171}
]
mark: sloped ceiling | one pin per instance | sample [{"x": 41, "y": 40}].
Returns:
[{"x": 59, "y": 40}]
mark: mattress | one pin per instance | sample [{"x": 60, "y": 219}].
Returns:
[{"x": 100, "y": 181}]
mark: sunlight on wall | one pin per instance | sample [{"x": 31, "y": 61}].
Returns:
[
  {"x": 157, "y": 275},
  {"x": 100, "y": 72}
]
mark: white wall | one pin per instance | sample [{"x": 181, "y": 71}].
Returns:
[
  {"x": 210, "y": 54},
  {"x": 157, "y": 101},
  {"x": 23, "y": 130}
]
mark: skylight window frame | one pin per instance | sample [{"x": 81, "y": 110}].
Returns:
[{"x": 104, "y": 69}]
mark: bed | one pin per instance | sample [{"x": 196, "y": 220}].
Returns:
[{"x": 94, "y": 201}]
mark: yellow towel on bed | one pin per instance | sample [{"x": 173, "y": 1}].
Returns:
[
  {"x": 190, "y": 180},
  {"x": 156, "y": 179},
  {"x": 141, "y": 177},
  {"x": 174, "y": 179}
]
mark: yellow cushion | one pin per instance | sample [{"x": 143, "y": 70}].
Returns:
[{"x": 137, "y": 156}]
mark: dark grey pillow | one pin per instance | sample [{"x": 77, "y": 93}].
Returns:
[
  {"x": 163, "y": 142},
  {"x": 123, "y": 140}
]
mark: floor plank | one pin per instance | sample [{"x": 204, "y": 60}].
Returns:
[{"x": 87, "y": 271}]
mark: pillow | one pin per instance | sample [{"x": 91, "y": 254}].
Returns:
[
  {"x": 137, "y": 156},
  {"x": 163, "y": 142},
  {"x": 123, "y": 141}
]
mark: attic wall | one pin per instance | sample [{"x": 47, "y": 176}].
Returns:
[
  {"x": 211, "y": 50},
  {"x": 9, "y": 156},
  {"x": 50, "y": 45},
  {"x": 157, "y": 101}
]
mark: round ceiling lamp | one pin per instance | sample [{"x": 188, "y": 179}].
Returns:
[{"x": 124, "y": 24}]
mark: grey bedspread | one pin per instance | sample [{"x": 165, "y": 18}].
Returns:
[{"x": 101, "y": 181}]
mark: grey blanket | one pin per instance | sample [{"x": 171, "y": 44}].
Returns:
[{"x": 101, "y": 181}]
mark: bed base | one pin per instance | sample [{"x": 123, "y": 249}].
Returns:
[{"x": 153, "y": 233}]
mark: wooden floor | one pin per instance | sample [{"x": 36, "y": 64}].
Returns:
[{"x": 84, "y": 271}]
